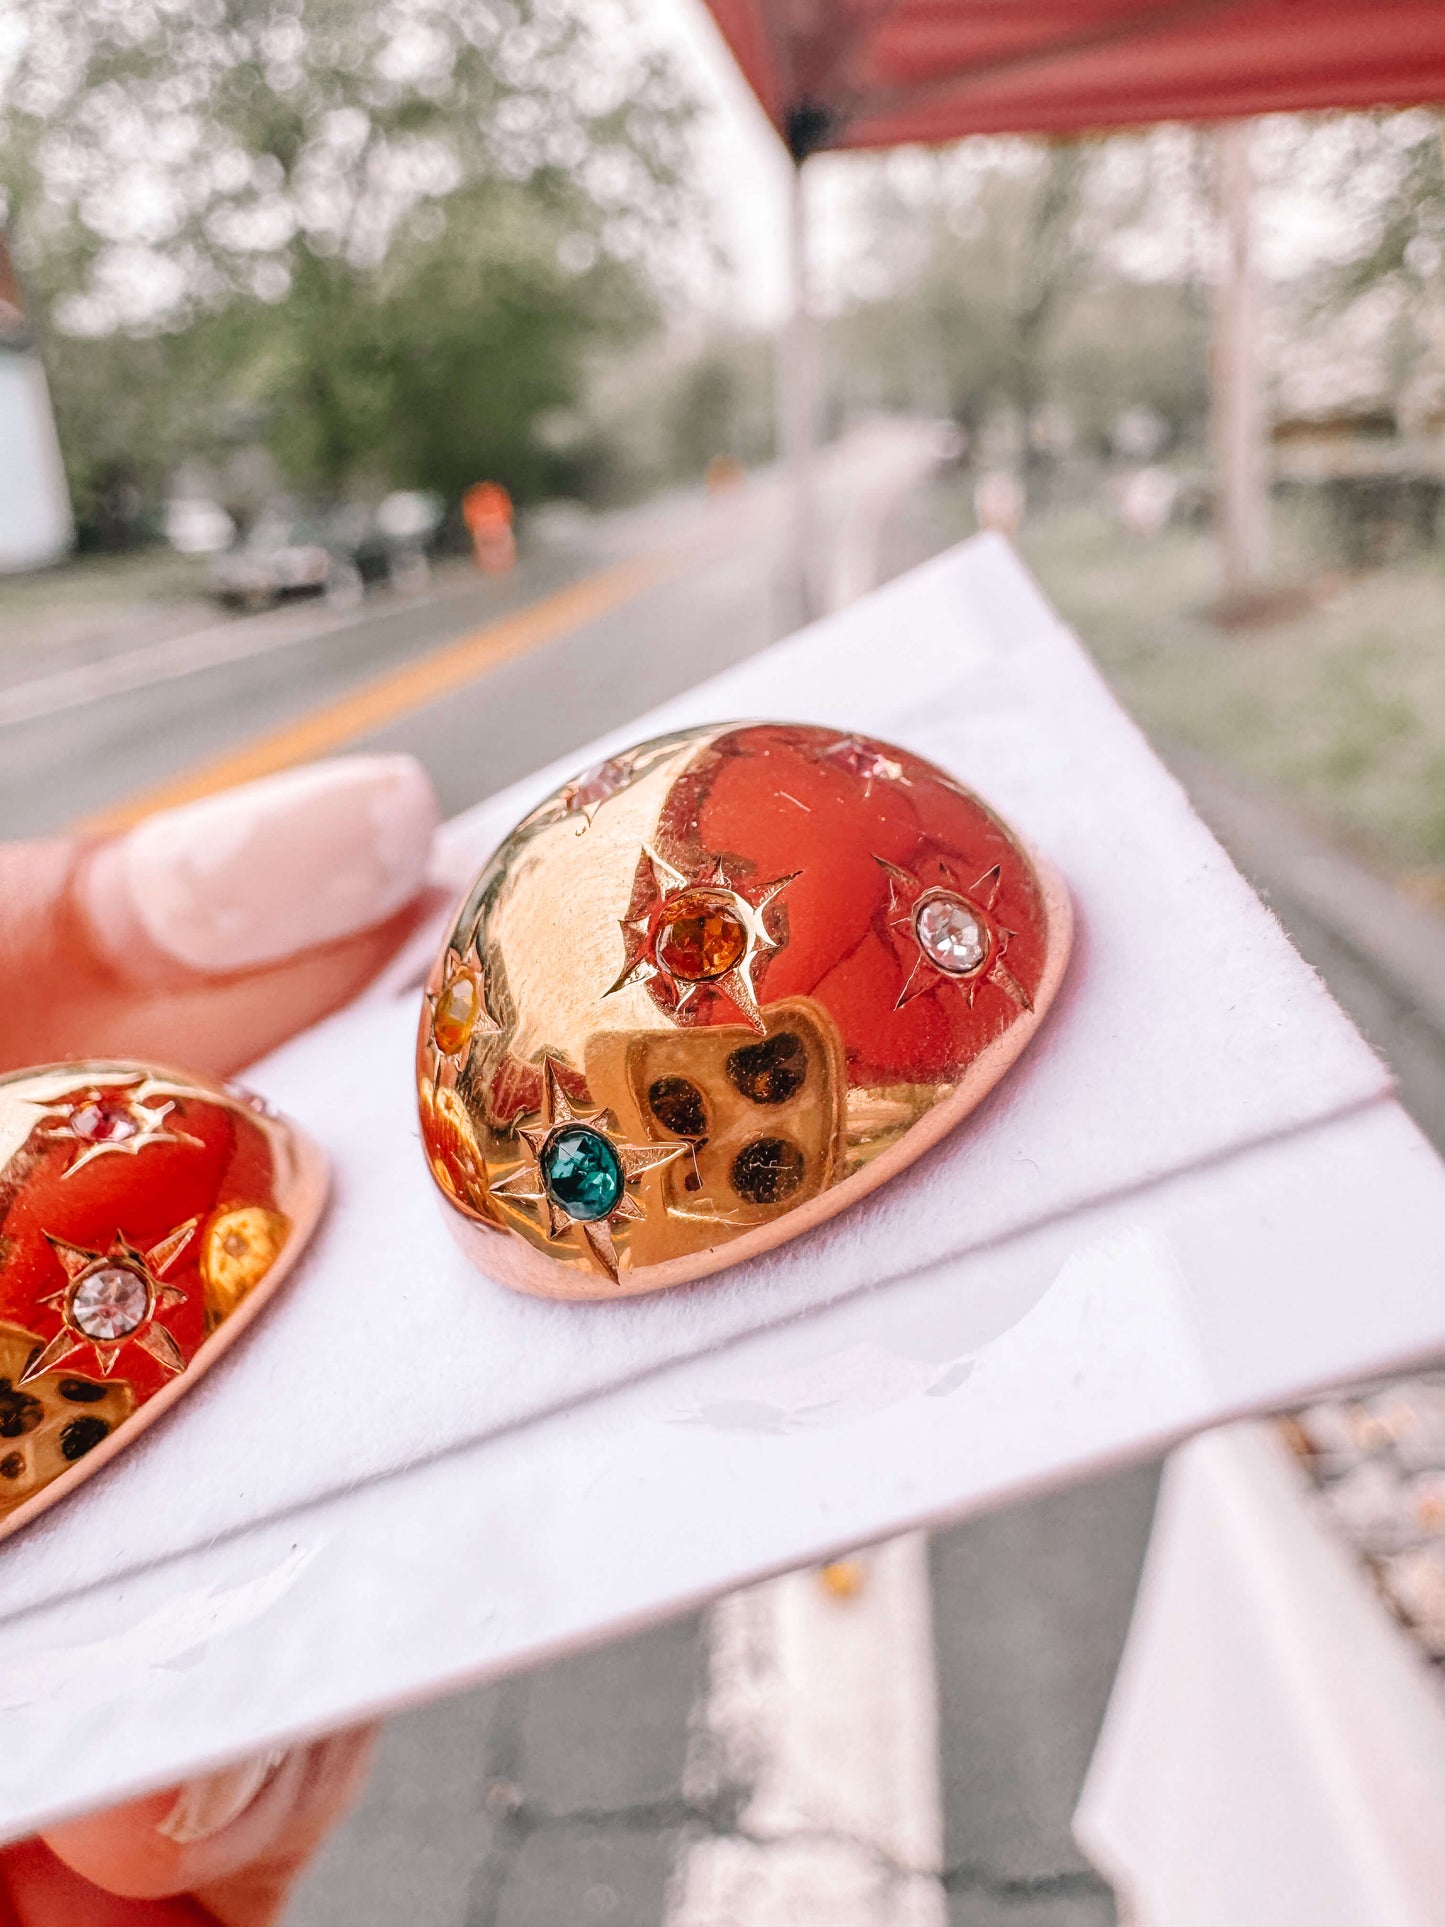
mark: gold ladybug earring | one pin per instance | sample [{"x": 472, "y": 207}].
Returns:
[
  {"x": 145, "y": 1218},
  {"x": 714, "y": 991}
]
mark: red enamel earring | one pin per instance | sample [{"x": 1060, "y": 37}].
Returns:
[{"x": 714, "y": 991}]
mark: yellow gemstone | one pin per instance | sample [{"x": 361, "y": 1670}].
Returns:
[
  {"x": 239, "y": 1248},
  {"x": 455, "y": 1015}
]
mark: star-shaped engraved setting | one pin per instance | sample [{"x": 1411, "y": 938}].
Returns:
[
  {"x": 459, "y": 1010},
  {"x": 953, "y": 934},
  {"x": 112, "y": 1117},
  {"x": 112, "y": 1298},
  {"x": 579, "y": 1171},
  {"x": 688, "y": 934}
]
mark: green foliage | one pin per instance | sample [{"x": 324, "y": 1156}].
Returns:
[
  {"x": 719, "y": 403},
  {"x": 1003, "y": 296},
  {"x": 388, "y": 235},
  {"x": 1384, "y": 175},
  {"x": 658, "y": 420},
  {"x": 1341, "y": 706},
  {"x": 1386, "y": 172},
  {"x": 1133, "y": 344},
  {"x": 980, "y": 268}
]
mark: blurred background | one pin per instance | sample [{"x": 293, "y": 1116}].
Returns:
[{"x": 378, "y": 373}]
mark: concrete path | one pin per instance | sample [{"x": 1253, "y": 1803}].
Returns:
[{"x": 761, "y": 1766}]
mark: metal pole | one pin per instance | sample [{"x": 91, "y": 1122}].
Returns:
[
  {"x": 1241, "y": 452},
  {"x": 795, "y": 408}
]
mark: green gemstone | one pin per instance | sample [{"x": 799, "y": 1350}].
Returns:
[{"x": 582, "y": 1173}]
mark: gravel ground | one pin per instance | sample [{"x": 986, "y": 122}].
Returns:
[{"x": 1377, "y": 1459}]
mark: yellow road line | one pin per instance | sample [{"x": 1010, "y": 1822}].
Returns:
[{"x": 397, "y": 693}]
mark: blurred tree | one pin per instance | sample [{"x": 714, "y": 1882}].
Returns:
[
  {"x": 982, "y": 265},
  {"x": 389, "y": 230},
  {"x": 1022, "y": 275},
  {"x": 659, "y": 419},
  {"x": 1127, "y": 344},
  {"x": 719, "y": 401},
  {"x": 702, "y": 412},
  {"x": 1385, "y": 173}
]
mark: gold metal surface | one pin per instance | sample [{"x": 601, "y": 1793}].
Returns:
[{"x": 750, "y": 971}]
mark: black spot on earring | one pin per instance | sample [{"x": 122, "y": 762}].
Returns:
[
  {"x": 81, "y": 1391},
  {"x": 82, "y": 1435},
  {"x": 770, "y": 1071},
  {"x": 19, "y": 1412},
  {"x": 768, "y": 1170},
  {"x": 678, "y": 1106}
]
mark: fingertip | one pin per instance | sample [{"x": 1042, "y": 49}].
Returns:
[
  {"x": 253, "y": 1824},
  {"x": 132, "y": 1850},
  {"x": 261, "y": 873},
  {"x": 38, "y": 1889}
]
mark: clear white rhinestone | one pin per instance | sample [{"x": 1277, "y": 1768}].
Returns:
[
  {"x": 950, "y": 935},
  {"x": 110, "y": 1302}
]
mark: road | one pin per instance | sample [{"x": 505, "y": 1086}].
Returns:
[
  {"x": 573, "y": 1795},
  {"x": 484, "y": 679}
]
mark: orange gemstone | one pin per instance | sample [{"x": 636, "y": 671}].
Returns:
[
  {"x": 455, "y": 1015},
  {"x": 702, "y": 938}
]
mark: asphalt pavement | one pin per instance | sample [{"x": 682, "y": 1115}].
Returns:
[{"x": 86, "y": 738}]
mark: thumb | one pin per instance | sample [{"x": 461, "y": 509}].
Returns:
[
  {"x": 212, "y": 932},
  {"x": 232, "y": 1870}
]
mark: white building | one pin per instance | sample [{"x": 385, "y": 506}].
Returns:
[{"x": 35, "y": 519}]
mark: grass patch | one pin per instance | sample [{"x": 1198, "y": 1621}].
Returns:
[
  {"x": 98, "y": 581},
  {"x": 1342, "y": 707}
]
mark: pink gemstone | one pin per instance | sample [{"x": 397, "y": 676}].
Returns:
[
  {"x": 100, "y": 1122},
  {"x": 859, "y": 759},
  {"x": 595, "y": 785},
  {"x": 109, "y": 1302}
]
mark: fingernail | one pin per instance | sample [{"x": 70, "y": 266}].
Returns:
[
  {"x": 264, "y": 871},
  {"x": 203, "y": 1807}
]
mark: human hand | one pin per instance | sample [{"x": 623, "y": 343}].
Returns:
[
  {"x": 210, "y": 933},
  {"x": 244, "y": 1835},
  {"x": 202, "y": 939}
]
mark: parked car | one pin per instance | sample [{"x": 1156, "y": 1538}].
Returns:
[
  {"x": 338, "y": 554},
  {"x": 195, "y": 525},
  {"x": 283, "y": 556}
]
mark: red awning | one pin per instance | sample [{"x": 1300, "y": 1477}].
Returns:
[{"x": 872, "y": 73}]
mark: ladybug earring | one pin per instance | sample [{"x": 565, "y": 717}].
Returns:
[
  {"x": 714, "y": 991},
  {"x": 145, "y": 1218}
]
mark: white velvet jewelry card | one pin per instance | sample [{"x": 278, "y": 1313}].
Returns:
[{"x": 1002, "y": 1308}]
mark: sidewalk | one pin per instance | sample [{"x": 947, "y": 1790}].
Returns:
[
  {"x": 96, "y": 605},
  {"x": 1381, "y": 952}
]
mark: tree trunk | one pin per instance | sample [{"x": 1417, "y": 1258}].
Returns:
[
  {"x": 1240, "y": 447},
  {"x": 795, "y": 405}
]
